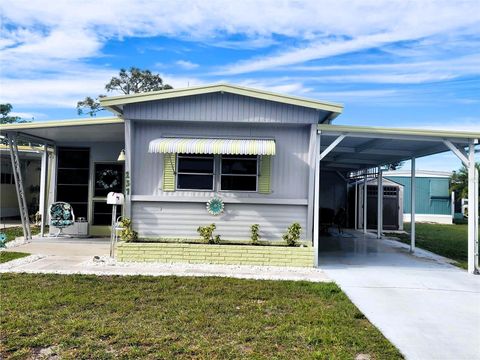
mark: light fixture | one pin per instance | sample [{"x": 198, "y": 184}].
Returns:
[{"x": 121, "y": 156}]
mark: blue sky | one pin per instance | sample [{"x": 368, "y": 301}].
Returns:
[{"x": 392, "y": 63}]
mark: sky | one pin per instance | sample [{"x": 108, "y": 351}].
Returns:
[{"x": 395, "y": 63}]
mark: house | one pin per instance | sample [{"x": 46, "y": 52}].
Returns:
[
  {"x": 271, "y": 160},
  {"x": 434, "y": 200}
]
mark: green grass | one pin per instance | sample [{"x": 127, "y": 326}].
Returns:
[
  {"x": 11, "y": 255},
  {"x": 82, "y": 317},
  {"x": 446, "y": 240},
  {"x": 16, "y": 231}
]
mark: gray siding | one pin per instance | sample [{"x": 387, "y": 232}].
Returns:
[
  {"x": 224, "y": 107},
  {"x": 290, "y": 167},
  {"x": 181, "y": 219}
]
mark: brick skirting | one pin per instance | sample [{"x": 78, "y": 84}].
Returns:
[{"x": 215, "y": 254}]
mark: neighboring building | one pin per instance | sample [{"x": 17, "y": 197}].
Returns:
[
  {"x": 433, "y": 196},
  {"x": 30, "y": 165}
]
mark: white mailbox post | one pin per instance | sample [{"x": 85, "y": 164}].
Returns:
[{"x": 114, "y": 199}]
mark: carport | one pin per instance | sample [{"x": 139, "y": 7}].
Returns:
[
  {"x": 363, "y": 152},
  {"x": 47, "y": 137}
]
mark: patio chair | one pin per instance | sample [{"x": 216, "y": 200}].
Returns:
[{"x": 61, "y": 216}]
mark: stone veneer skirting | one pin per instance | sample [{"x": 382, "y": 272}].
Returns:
[{"x": 215, "y": 254}]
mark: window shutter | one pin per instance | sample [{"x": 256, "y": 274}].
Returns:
[
  {"x": 169, "y": 172},
  {"x": 265, "y": 173}
]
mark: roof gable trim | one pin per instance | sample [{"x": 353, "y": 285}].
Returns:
[{"x": 118, "y": 101}]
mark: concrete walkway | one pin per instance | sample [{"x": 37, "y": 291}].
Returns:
[
  {"x": 428, "y": 308},
  {"x": 75, "y": 256}
]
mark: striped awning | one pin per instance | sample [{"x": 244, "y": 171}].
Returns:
[{"x": 212, "y": 146}]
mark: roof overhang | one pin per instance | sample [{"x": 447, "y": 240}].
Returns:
[
  {"x": 116, "y": 103},
  {"x": 354, "y": 148},
  {"x": 69, "y": 131}
]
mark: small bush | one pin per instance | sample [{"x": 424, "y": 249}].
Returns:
[
  {"x": 293, "y": 234},
  {"x": 206, "y": 233},
  {"x": 127, "y": 234},
  {"x": 255, "y": 228}
]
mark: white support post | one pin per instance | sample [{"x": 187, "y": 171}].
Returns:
[
  {"x": 475, "y": 236},
  {"x": 316, "y": 202},
  {"x": 356, "y": 205},
  {"x": 472, "y": 212},
  {"x": 452, "y": 205},
  {"x": 379, "y": 203},
  {"x": 129, "y": 133},
  {"x": 311, "y": 180},
  {"x": 43, "y": 190},
  {"x": 412, "y": 206},
  {"x": 365, "y": 202}
]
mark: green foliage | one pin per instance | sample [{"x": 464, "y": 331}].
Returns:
[
  {"x": 130, "y": 81},
  {"x": 128, "y": 234},
  {"x": 446, "y": 240},
  {"x": 16, "y": 231},
  {"x": 459, "y": 181},
  {"x": 6, "y": 256},
  {"x": 5, "y": 118},
  {"x": 292, "y": 236},
  {"x": 255, "y": 228},
  {"x": 206, "y": 233}
]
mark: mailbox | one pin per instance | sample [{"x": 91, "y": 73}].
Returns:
[{"x": 114, "y": 198}]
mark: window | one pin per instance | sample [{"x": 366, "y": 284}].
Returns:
[
  {"x": 195, "y": 172},
  {"x": 239, "y": 173}
]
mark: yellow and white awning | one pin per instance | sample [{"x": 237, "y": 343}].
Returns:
[{"x": 212, "y": 146}]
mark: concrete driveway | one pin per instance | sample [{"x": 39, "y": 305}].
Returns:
[{"x": 428, "y": 308}]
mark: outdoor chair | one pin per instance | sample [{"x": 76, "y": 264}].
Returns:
[{"x": 61, "y": 216}]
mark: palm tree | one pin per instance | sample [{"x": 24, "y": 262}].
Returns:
[{"x": 459, "y": 181}]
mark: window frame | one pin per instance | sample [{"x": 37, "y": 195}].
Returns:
[
  {"x": 239, "y": 157},
  {"x": 195, "y": 156}
]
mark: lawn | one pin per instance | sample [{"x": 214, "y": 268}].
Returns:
[
  {"x": 183, "y": 318},
  {"x": 446, "y": 240},
  {"x": 11, "y": 255},
  {"x": 16, "y": 231}
]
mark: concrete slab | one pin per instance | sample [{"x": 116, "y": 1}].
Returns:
[
  {"x": 425, "y": 306},
  {"x": 75, "y": 256}
]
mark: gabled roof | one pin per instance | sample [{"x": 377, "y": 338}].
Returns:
[{"x": 116, "y": 103}]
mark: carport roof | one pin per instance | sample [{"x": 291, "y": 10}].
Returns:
[
  {"x": 362, "y": 147},
  {"x": 72, "y": 130}
]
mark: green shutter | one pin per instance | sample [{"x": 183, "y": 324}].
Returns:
[
  {"x": 169, "y": 172},
  {"x": 265, "y": 174}
]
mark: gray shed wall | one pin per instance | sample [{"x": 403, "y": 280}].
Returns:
[{"x": 218, "y": 107}]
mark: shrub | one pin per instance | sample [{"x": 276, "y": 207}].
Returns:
[
  {"x": 206, "y": 232},
  {"x": 127, "y": 233},
  {"x": 293, "y": 234},
  {"x": 255, "y": 228}
]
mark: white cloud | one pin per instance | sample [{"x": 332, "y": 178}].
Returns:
[
  {"x": 45, "y": 50},
  {"x": 185, "y": 64}
]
